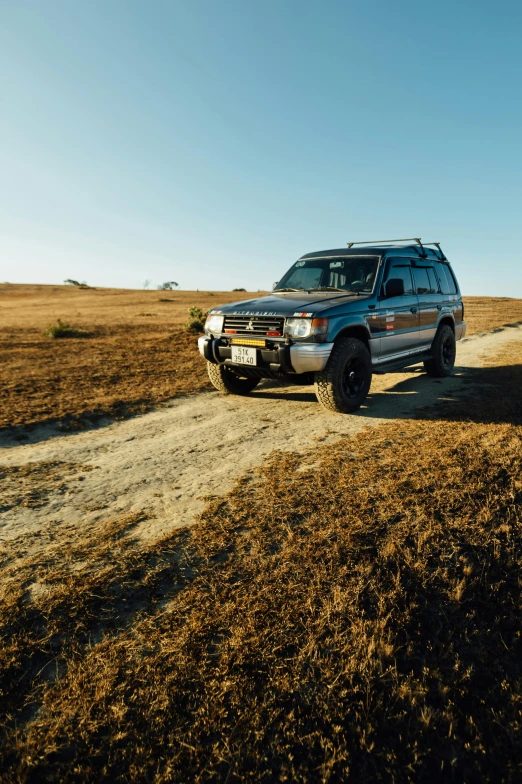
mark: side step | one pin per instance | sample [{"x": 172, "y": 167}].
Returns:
[{"x": 400, "y": 364}]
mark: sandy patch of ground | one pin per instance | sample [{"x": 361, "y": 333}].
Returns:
[{"x": 168, "y": 461}]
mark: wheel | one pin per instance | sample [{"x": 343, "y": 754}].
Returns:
[
  {"x": 225, "y": 380},
  {"x": 444, "y": 350},
  {"x": 344, "y": 383}
]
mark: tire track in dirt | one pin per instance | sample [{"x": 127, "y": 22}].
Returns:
[{"x": 166, "y": 462}]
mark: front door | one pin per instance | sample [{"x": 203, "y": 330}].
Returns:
[{"x": 399, "y": 316}]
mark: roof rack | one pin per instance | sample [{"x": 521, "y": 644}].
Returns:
[
  {"x": 407, "y": 239},
  {"x": 437, "y": 245}
]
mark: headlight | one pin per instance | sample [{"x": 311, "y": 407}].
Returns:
[
  {"x": 214, "y": 323},
  {"x": 298, "y": 327},
  {"x": 304, "y": 327}
]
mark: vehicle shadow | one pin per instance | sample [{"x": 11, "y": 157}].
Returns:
[{"x": 460, "y": 396}]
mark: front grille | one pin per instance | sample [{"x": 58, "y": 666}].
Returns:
[{"x": 254, "y": 325}]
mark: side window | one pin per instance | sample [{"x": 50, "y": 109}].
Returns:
[
  {"x": 401, "y": 269},
  {"x": 451, "y": 280},
  {"x": 446, "y": 279},
  {"x": 434, "y": 284},
  {"x": 422, "y": 283}
]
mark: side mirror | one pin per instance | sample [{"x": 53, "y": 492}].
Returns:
[
  {"x": 275, "y": 285},
  {"x": 394, "y": 287}
]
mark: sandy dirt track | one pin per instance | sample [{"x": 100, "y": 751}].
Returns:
[{"x": 166, "y": 462}]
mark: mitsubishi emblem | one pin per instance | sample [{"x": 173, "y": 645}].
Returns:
[{"x": 250, "y": 324}]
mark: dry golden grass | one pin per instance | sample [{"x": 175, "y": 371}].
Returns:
[
  {"x": 484, "y": 314},
  {"x": 355, "y": 620},
  {"x": 137, "y": 357},
  {"x": 138, "y": 354}
]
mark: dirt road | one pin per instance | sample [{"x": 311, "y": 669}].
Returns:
[{"x": 166, "y": 462}]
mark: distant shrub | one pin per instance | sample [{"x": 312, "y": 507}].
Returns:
[
  {"x": 196, "y": 322},
  {"x": 168, "y": 285},
  {"x": 71, "y": 282},
  {"x": 63, "y": 330},
  {"x": 194, "y": 325},
  {"x": 238, "y": 289}
]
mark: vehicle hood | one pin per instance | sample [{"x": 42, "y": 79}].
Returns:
[{"x": 287, "y": 304}]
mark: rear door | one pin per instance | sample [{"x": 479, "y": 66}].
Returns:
[
  {"x": 452, "y": 301},
  {"x": 399, "y": 316},
  {"x": 430, "y": 301}
]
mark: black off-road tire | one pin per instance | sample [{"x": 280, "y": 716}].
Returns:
[
  {"x": 344, "y": 383},
  {"x": 444, "y": 351},
  {"x": 225, "y": 380}
]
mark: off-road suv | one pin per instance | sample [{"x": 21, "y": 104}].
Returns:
[{"x": 338, "y": 316}]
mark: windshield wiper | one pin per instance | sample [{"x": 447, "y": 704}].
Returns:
[
  {"x": 326, "y": 288},
  {"x": 289, "y": 290}
]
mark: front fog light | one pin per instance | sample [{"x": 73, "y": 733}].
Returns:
[{"x": 214, "y": 324}]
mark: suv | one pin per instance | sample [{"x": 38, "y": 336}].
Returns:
[{"x": 338, "y": 316}]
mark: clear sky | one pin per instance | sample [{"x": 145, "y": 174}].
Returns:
[{"x": 212, "y": 142}]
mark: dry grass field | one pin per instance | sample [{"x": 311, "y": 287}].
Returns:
[
  {"x": 348, "y": 614},
  {"x": 137, "y": 355}
]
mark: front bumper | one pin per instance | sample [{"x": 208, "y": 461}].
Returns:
[
  {"x": 310, "y": 357},
  {"x": 282, "y": 357}
]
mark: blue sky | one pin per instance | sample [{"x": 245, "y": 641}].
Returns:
[{"x": 212, "y": 143}]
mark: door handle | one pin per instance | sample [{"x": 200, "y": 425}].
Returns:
[{"x": 413, "y": 310}]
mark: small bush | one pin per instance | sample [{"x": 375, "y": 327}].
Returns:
[
  {"x": 169, "y": 285},
  {"x": 194, "y": 325},
  {"x": 63, "y": 330},
  {"x": 196, "y": 322},
  {"x": 238, "y": 289}
]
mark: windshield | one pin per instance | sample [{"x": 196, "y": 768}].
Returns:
[{"x": 342, "y": 273}]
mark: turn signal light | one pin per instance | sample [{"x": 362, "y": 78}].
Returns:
[{"x": 319, "y": 326}]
